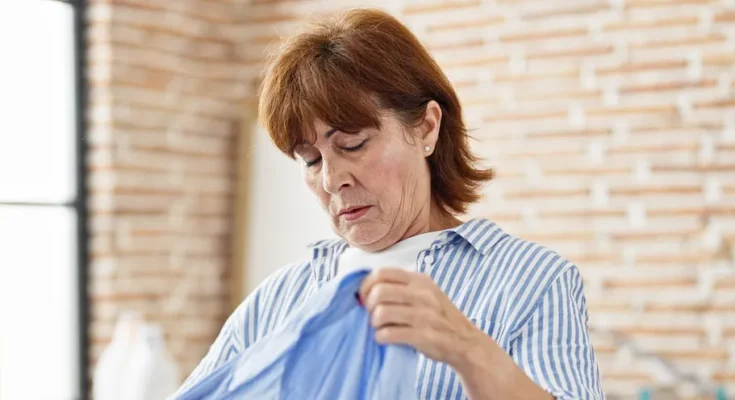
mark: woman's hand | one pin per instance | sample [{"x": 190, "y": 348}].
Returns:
[{"x": 409, "y": 308}]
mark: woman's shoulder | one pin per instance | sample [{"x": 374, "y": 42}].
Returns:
[
  {"x": 514, "y": 274},
  {"x": 532, "y": 257},
  {"x": 520, "y": 266},
  {"x": 514, "y": 254}
]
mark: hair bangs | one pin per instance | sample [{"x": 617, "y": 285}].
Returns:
[{"x": 318, "y": 88}]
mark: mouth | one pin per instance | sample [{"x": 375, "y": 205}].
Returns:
[{"x": 353, "y": 213}]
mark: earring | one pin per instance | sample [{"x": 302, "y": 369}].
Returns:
[{"x": 427, "y": 149}]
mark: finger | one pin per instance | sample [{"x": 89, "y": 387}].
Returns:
[
  {"x": 425, "y": 292},
  {"x": 388, "y": 293},
  {"x": 388, "y": 315},
  {"x": 387, "y": 274},
  {"x": 396, "y": 335}
]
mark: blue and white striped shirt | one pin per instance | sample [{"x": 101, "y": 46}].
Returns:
[{"x": 526, "y": 297}]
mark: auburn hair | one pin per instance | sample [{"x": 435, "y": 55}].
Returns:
[{"x": 346, "y": 68}]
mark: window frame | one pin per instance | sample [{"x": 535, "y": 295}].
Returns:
[{"x": 80, "y": 203}]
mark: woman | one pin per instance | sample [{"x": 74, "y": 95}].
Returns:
[{"x": 378, "y": 132}]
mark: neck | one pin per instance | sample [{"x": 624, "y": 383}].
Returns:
[{"x": 436, "y": 220}]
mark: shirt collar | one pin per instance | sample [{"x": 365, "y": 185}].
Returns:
[
  {"x": 480, "y": 233},
  {"x": 324, "y": 243}
]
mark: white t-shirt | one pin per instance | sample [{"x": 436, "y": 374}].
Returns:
[{"x": 402, "y": 254}]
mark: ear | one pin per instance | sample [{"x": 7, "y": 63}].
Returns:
[{"x": 429, "y": 128}]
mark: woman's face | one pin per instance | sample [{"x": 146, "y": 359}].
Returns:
[{"x": 374, "y": 184}]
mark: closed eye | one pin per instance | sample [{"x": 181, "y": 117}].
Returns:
[
  {"x": 355, "y": 148},
  {"x": 347, "y": 149},
  {"x": 313, "y": 162}
]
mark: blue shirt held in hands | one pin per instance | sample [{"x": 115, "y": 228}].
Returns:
[{"x": 324, "y": 350}]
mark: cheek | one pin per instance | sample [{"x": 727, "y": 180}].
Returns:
[
  {"x": 392, "y": 171},
  {"x": 388, "y": 173},
  {"x": 314, "y": 184},
  {"x": 308, "y": 178}
]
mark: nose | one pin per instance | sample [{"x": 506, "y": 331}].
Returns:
[{"x": 335, "y": 176}]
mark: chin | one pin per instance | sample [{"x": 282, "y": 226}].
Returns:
[{"x": 362, "y": 234}]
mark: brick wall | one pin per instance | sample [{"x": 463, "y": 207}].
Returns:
[
  {"x": 166, "y": 103},
  {"x": 611, "y": 124}
]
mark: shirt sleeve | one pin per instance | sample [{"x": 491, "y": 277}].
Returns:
[{"x": 553, "y": 346}]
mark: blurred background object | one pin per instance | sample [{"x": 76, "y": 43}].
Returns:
[
  {"x": 611, "y": 125},
  {"x": 136, "y": 363}
]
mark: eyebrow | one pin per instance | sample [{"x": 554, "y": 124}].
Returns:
[
  {"x": 327, "y": 135},
  {"x": 330, "y": 132}
]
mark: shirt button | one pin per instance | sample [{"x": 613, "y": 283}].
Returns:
[{"x": 429, "y": 259}]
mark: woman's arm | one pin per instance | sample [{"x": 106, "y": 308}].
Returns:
[
  {"x": 488, "y": 372},
  {"x": 553, "y": 344}
]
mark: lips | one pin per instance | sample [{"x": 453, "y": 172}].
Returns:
[
  {"x": 350, "y": 209},
  {"x": 354, "y": 213}
]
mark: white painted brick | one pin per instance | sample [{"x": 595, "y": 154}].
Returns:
[
  {"x": 101, "y": 224},
  {"x": 180, "y": 64},
  {"x": 174, "y": 142},
  {"x": 173, "y": 99},
  {"x": 101, "y": 244},
  {"x": 102, "y": 268},
  {"x": 194, "y": 245},
  {"x": 176, "y": 121},
  {"x": 100, "y": 157},
  {"x": 99, "y": 12},
  {"x": 157, "y": 18}
]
